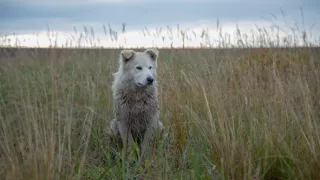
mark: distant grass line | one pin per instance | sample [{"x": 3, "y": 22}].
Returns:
[{"x": 7, "y": 52}]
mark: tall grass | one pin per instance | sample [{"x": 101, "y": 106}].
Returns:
[{"x": 242, "y": 113}]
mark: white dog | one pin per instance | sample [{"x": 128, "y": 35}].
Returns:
[{"x": 135, "y": 99}]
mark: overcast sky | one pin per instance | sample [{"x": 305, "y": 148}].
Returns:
[{"x": 31, "y": 16}]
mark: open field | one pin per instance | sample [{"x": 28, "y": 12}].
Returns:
[{"x": 251, "y": 113}]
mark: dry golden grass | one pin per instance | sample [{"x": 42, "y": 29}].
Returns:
[{"x": 247, "y": 113}]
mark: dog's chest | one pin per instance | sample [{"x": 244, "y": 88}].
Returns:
[
  {"x": 137, "y": 109},
  {"x": 141, "y": 111}
]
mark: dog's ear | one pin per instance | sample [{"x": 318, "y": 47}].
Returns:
[
  {"x": 153, "y": 53},
  {"x": 127, "y": 54}
]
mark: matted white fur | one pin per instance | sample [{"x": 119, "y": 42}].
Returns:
[{"x": 135, "y": 98}]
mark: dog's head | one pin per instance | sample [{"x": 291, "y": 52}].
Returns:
[{"x": 140, "y": 66}]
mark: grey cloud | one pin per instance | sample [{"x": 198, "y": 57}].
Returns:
[{"x": 30, "y": 15}]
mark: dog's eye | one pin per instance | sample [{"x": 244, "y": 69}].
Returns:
[
  {"x": 150, "y": 67},
  {"x": 139, "y": 67}
]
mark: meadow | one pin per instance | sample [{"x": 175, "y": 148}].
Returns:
[{"x": 229, "y": 113}]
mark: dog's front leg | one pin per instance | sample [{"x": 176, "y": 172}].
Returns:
[
  {"x": 145, "y": 146},
  {"x": 126, "y": 137},
  {"x": 152, "y": 133}
]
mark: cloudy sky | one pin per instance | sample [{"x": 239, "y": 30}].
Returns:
[{"x": 30, "y": 20}]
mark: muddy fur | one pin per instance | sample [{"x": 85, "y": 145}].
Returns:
[{"x": 135, "y": 101}]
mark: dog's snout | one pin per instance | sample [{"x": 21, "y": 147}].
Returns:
[{"x": 150, "y": 80}]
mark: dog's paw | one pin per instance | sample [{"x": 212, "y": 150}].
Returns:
[
  {"x": 114, "y": 127},
  {"x": 160, "y": 125}
]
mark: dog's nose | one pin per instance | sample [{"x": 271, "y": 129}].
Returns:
[{"x": 150, "y": 80}]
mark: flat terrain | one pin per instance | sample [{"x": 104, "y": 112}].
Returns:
[{"x": 228, "y": 113}]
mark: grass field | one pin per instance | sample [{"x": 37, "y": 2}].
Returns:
[
  {"x": 236, "y": 113},
  {"x": 229, "y": 114}
]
